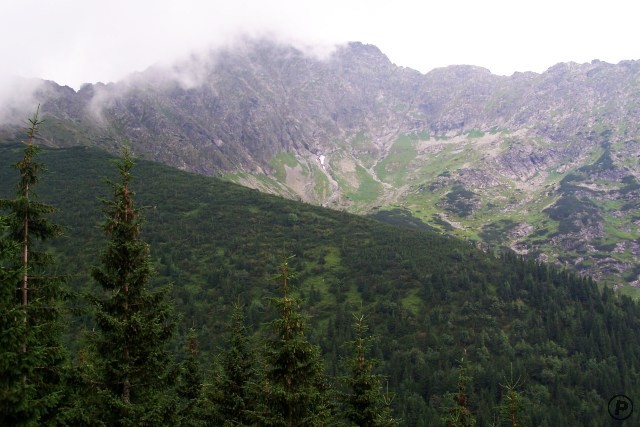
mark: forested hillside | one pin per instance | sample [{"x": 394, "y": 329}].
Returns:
[
  {"x": 565, "y": 344},
  {"x": 476, "y": 155}
]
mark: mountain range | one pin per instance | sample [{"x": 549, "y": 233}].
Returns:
[{"x": 546, "y": 164}]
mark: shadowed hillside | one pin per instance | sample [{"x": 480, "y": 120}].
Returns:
[
  {"x": 430, "y": 299},
  {"x": 479, "y": 156}
]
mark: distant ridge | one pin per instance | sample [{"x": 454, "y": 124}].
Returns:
[{"x": 478, "y": 155}]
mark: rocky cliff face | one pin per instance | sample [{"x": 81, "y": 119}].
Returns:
[{"x": 544, "y": 163}]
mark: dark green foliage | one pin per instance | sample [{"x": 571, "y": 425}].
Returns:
[
  {"x": 293, "y": 387},
  {"x": 573, "y": 213},
  {"x": 512, "y": 403},
  {"x": 14, "y": 395},
  {"x": 31, "y": 355},
  {"x": 428, "y": 297},
  {"x": 457, "y": 405},
  {"x": 494, "y": 233},
  {"x": 567, "y": 183},
  {"x": 366, "y": 403},
  {"x": 230, "y": 395},
  {"x": 132, "y": 364},
  {"x": 460, "y": 201},
  {"x": 630, "y": 184},
  {"x": 444, "y": 225},
  {"x": 604, "y": 162},
  {"x": 189, "y": 385},
  {"x": 402, "y": 217}
]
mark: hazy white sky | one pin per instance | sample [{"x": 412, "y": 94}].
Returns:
[{"x": 77, "y": 41}]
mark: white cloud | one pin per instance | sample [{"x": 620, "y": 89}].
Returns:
[
  {"x": 77, "y": 41},
  {"x": 17, "y": 100}
]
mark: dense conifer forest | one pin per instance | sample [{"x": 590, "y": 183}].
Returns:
[{"x": 176, "y": 299}]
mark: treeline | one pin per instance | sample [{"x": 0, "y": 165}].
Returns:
[{"x": 461, "y": 336}]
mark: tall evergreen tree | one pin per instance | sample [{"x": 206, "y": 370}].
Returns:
[
  {"x": 31, "y": 355},
  {"x": 366, "y": 403},
  {"x": 133, "y": 368},
  {"x": 294, "y": 389},
  {"x": 14, "y": 395},
  {"x": 457, "y": 411},
  {"x": 189, "y": 385},
  {"x": 230, "y": 395},
  {"x": 511, "y": 404}
]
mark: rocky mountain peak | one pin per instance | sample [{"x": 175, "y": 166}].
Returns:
[{"x": 532, "y": 161}]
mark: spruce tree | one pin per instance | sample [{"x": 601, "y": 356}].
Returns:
[
  {"x": 31, "y": 355},
  {"x": 133, "y": 368},
  {"x": 189, "y": 385},
  {"x": 14, "y": 395},
  {"x": 511, "y": 404},
  {"x": 230, "y": 395},
  {"x": 294, "y": 389},
  {"x": 457, "y": 411},
  {"x": 366, "y": 403}
]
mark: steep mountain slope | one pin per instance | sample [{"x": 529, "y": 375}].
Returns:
[
  {"x": 430, "y": 299},
  {"x": 481, "y": 156}
]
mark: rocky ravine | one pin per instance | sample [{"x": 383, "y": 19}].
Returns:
[{"x": 544, "y": 163}]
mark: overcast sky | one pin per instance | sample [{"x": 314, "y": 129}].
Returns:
[{"x": 77, "y": 41}]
